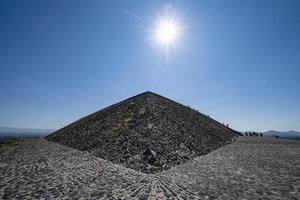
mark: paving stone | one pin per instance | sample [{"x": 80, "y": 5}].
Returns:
[{"x": 249, "y": 168}]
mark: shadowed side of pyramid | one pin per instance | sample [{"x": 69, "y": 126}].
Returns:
[{"x": 147, "y": 133}]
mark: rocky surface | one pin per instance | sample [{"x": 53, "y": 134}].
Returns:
[
  {"x": 123, "y": 132},
  {"x": 41, "y": 169},
  {"x": 249, "y": 168}
]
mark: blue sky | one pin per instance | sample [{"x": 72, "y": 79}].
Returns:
[{"x": 238, "y": 61}]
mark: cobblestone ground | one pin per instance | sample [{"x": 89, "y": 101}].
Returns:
[{"x": 249, "y": 168}]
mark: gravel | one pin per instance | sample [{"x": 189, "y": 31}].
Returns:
[{"x": 249, "y": 168}]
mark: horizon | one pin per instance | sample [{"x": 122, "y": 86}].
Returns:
[
  {"x": 53, "y": 130},
  {"x": 238, "y": 62}
]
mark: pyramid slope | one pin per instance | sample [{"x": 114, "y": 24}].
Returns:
[{"x": 147, "y": 132}]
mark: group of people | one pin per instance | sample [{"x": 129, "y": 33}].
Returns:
[{"x": 257, "y": 134}]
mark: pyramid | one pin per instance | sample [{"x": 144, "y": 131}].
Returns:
[{"x": 147, "y": 133}]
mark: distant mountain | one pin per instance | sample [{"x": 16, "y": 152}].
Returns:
[
  {"x": 283, "y": 134},
  {"x": 10, "y": 131}
]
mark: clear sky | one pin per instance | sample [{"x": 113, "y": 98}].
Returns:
[{"x": 238, "y": 61}]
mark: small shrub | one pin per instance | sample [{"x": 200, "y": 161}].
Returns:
[{"x": 9, "y": 145}]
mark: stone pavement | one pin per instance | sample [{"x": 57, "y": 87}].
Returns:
[{"x": 249, "y": 168}]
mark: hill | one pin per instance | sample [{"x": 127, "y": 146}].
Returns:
[
  {"x": 283, "y": 134},
  {"x": 23, "y": 132},
  {"x": 147, "y": 133}
]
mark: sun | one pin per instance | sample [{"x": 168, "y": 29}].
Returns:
[{"x": 167, "y": 32}]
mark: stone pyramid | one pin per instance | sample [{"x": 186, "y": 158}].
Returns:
[{"x": 147, "y": 133}]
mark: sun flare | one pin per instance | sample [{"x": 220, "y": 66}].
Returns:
[{"x": 167, "y": 32}]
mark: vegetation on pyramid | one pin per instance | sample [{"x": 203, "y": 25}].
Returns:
[{"x": 147, "y": 132}]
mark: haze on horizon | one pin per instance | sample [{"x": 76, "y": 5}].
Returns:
[{"x": 237, "y": 61}]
